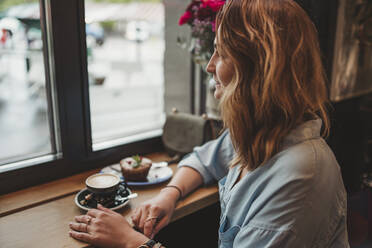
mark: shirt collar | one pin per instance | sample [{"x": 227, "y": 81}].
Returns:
[{"x": 306, "y": 131}]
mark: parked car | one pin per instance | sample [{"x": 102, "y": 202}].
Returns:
[
  {"x": 12, "y": 32},
  {"x": 95, "y": 32}
]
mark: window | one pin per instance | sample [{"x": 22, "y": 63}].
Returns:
[
  {"x": 80, "y": 89},
  {"x": 125, "y": 50},
  {"x": 26, "y": 126}
]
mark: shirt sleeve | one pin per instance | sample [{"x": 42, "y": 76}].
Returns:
[{"x": 212, "y": 159}]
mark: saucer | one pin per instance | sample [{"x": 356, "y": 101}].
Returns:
[
  {"x": 156, "y": 175},
  {"x": 121, "y": 192}
]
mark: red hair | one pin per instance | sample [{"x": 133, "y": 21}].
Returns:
[{"x": 279, "y": 81}]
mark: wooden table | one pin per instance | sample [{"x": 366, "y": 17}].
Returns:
[{"x": 39, "y": 216}]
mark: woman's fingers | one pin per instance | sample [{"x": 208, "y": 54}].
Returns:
[
  {"x": 162, "y": 223},
  {"x": 100, "y": 207},
  {"x": 79, "y": 227},
  {"x": 83, "y": 218},
  {"x": 149, "y": 226},
  {"x": 151, "y": 220},
  {"x": 86, "y": 237},
  {"x": 136, "y": 217},
  {"x": 94, "y": 212},
  {"x": 144, "y": 214}
]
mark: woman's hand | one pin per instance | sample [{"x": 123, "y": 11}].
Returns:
[
  {"x": 105, "y": 228},
  {"x": 155, "y": 213}
]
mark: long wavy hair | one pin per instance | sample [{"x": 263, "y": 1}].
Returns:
[{"x": 279, "y": 80}]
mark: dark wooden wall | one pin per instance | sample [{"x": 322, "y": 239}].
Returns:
[{"x": 351, "y": 119}]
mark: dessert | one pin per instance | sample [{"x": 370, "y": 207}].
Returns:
[{"x": 135, "y": 168}]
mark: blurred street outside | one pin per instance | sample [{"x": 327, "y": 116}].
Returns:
[{"x": 125, "y": 86}]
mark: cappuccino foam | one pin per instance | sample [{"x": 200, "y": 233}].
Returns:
[{"x": 103, "y": 181}]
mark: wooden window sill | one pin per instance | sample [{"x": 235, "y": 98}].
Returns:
[{"x": 39, "y": 216}]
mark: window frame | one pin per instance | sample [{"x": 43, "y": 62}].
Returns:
[{"x": 69, "y": 72}]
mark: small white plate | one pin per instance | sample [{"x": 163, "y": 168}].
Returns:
[
  {"x": 85, "y": 191},
  {"x": 156, "y": 175}
]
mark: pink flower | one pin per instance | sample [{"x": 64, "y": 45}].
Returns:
[
  {"x": 194, "y": 3},
  {"x": 204, "y": 13},
  {"x": 215, "y": 5},
  {"x": 200, "y": 15},
  {"x": 185, "y": 18}
]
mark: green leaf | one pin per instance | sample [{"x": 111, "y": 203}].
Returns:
[{"x": 138, "y": 160}]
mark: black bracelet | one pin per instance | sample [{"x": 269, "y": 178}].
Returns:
[
  {"x": 177, "y": 188},
  {"x": 148, "y": 244}
]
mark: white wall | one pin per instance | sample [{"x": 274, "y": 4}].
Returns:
[{"x": 176, "y": 60}]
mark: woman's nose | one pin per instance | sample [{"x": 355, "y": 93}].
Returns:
[{"x": 210, "y": 66}]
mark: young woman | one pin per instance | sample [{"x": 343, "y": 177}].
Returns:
[{"x": 280, "y": 184}]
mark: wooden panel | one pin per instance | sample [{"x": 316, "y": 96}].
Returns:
[{"x": 40, "y": 194}]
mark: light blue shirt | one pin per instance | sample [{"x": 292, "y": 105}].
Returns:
[{"x": 296, "y": 199}]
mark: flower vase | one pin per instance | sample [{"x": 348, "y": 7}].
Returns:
[
  {"x": 211, "y": 103},
  {"x": 204, "y": 88}
]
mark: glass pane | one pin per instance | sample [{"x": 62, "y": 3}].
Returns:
[
  {"x": 24, "y": 125},
  {"x": 125, "y": 49}
]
